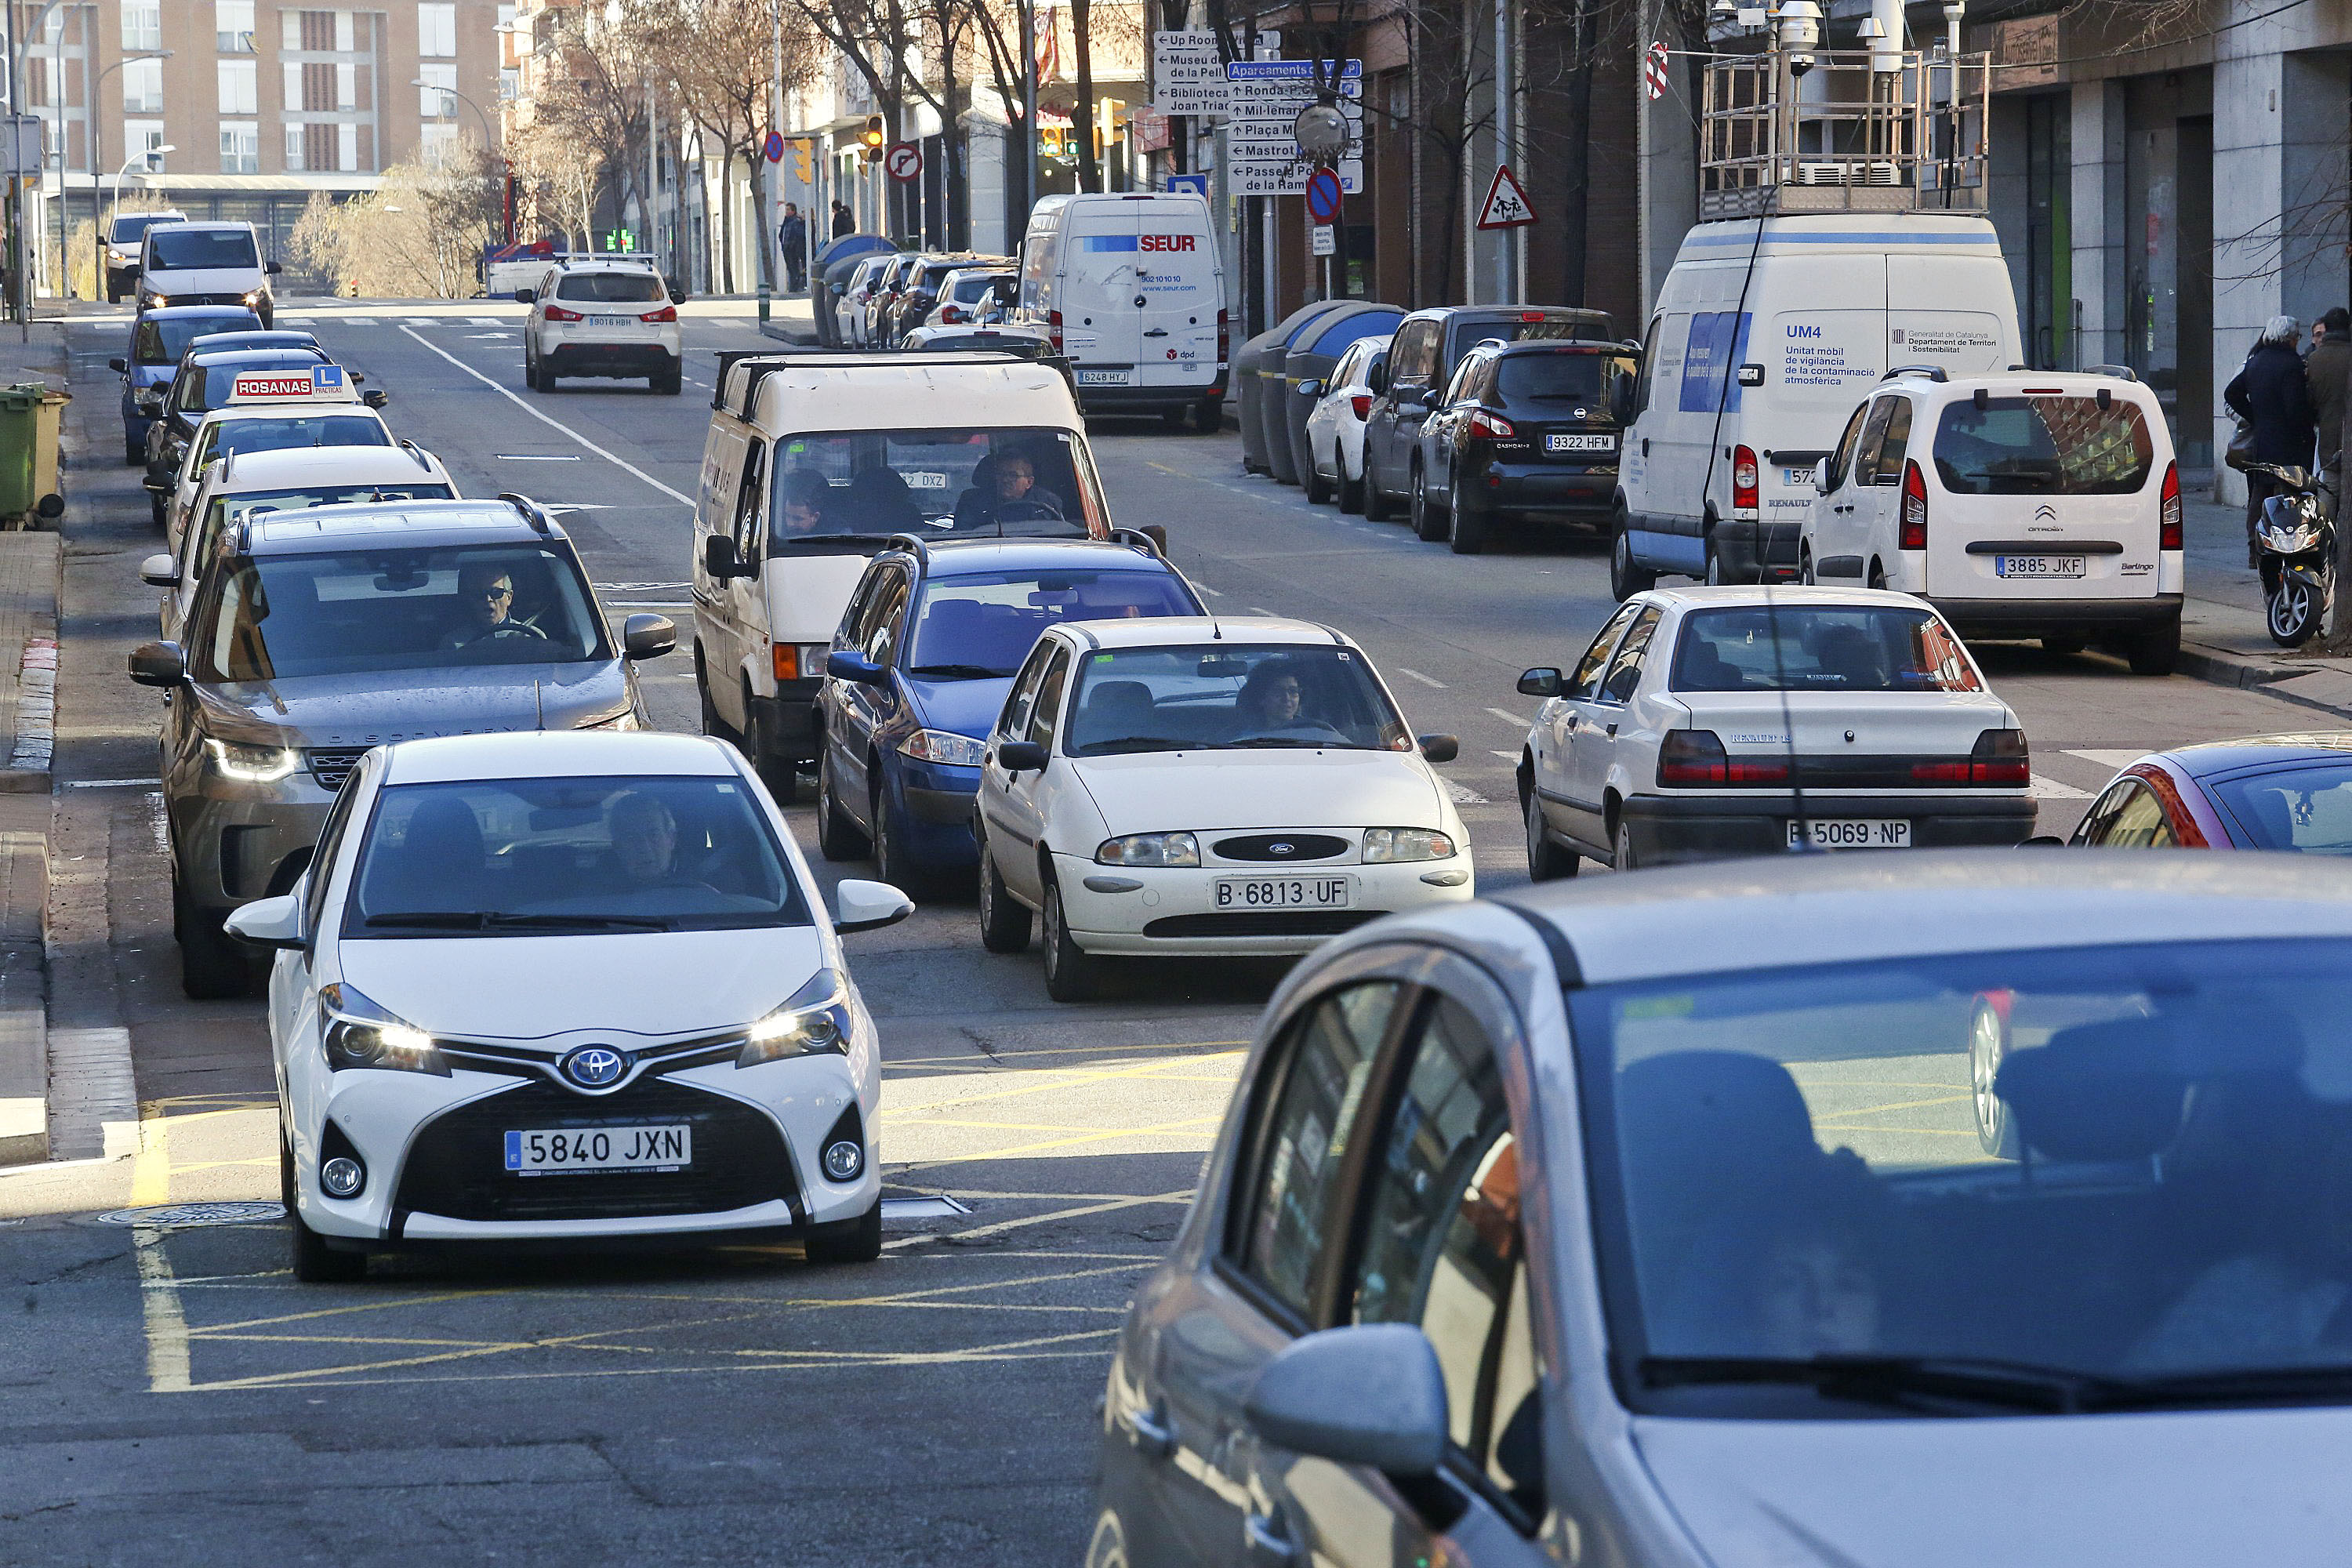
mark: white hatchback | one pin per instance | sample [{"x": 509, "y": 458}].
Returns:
[
  {"x": 567, "y": 987},
  {"x": 1335, "y": 431},
  {"x": 1198, "y": 786},
  {"x": 600, "y": 318}
]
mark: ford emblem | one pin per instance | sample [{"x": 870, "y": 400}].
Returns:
[
  {"x": 1281, "y": 848},
  {"x": 594, "y": 1067}
]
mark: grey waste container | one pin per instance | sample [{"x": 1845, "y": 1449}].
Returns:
[
  {"x": 1273, "y": 417},
  {"x": 1244, "y": 384},
  {"x": 1314, "y": 357},
  {"x": 829, "y": 275}
]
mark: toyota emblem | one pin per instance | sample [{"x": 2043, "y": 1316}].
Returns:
[
  {"x": 1282, "y": 847},
  {"x": 594, "y": 1067}
]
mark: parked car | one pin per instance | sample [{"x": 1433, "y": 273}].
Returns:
[
  {"x": 882, "y": 298},
  {"x": 1204, "y": 788},
  {"x": 1335, "y": 431},
  {"x": 205, "y": 264},
  {"x": 592, "y": 958},
  {"x": 970, "y": 296},
  {"x": 205, "y": 382},
  {"x": 2037, "y": 504},
  {"x": 267, "y": 425},
  {"x": 158, "y": 339},
  {"x": 1128, "y": 287},
  {"x": 920, "y": 669},
  {"x": 2271, "y": 792},
  {"x": 315, "y": 398},
  {"x": 315, "y": 636},
  {"x": 925, "y": 288},
  {"x": 124, "y": 231},
  {"x": 1650, "y": 1221},
  {"x": 600, "y": 318},
  {"x": 854, "y": 299},
  {"x": 1707, "y": 723},
  {"x": 1526, "y": 429}
]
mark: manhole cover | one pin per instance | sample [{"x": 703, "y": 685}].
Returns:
[{"x": 170, "y": 1215}]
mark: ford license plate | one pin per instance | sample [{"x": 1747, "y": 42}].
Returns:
[
  {"x": 559, "y": 1151},
  {"x": 2026, "y": 566},
  {"x": 1580, "y": 443},
  {"x": 1285, "y": 892},
  {"x": 1118, "y": 377},
  {"x": 1851, "y": 833}
]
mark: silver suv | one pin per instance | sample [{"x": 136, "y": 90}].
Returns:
[{"x": 316, "y": 634}]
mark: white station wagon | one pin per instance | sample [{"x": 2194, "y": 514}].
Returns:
[{"x": 1706, "y": 722}]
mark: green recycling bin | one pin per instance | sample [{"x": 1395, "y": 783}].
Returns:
[{"x": 30, "y": 416}]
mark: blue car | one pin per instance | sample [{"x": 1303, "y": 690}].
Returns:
[
  {"x": 158, "y": 339},
  {"x": 920, "y": 669}
]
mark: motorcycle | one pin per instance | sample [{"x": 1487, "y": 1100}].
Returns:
[{"x": 2296, "y": 546}]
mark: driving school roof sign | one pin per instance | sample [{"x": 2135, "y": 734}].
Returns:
[{"x": 313, "y": 384}]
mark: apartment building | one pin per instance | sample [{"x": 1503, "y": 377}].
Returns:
[{"x": 258, "y": 105}]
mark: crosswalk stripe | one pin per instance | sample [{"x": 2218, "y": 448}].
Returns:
[
  {"x": 481, "y": 320},
  {"x": 2050, "y": 789}
]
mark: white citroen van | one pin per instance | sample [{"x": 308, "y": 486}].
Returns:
[
  {"x": 1767, "y": 334},
  {"x": 1129, "y": 289},
  {"x": 814, "y": 463}
]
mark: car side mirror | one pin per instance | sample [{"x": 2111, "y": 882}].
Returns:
[
  {"x": 1541, "y": 681},
  {"x": 648, "y": 637},
  {"x": 1621, "y": 398},
  {"x": 526, "y": 296},
  {"x": 869, "y": 906},
  {"x": 1020, "y": 756},
  {"x": 843, "y": 664},
  {"x": 1821, "y": 476},
  {"x": 120, "y": 367},
  {"x": 273, "y": 268},
  {"x": 267, "y": 922},
  {"x": 375, "y": 398},
  {"x": 157, "y": 664},
  {"x": 160, "y": 571},
  {"x": 1379, "y": 379},
  {"x": 720, "y": 560},
  {"x": 2043, "y": 841},
  {"x": 1368, "y": 1395},
  {"x": 1438, "y": 748},
  {"x": 1310, "y": 389}
]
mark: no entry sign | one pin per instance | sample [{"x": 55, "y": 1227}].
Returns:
[
  {"x": 1323, "y": 196},
  {"x": 904, "y": 160}
]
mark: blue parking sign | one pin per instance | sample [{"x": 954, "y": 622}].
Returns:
[{"x": 1196, "y": 183}]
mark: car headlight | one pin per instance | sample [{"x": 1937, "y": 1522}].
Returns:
[
  {"x": 1385, "y": 846},
  {"x": 157, "y": 301},
  {"x": 815, "y": 1020},
  {"x": 1151, "y": 850},
  {"x": 942, "y": 746},
  {"x": 252, "y": 765},
  {"x": 252, "y": 296},
  {"x": 359, "y": 1034},
  {"x": 627, "y": 718}
]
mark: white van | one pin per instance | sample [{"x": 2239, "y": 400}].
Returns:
[
  {"x": 1767, "y": 334},
  {"x": 1129, "y": 290},
  {"x": 814, "y": 463},
  {"x": 2027, "y": 504}
]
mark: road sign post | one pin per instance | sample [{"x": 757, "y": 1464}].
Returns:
[{"x": 903, "y": 162}]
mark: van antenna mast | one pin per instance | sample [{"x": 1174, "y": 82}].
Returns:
[
  {"x": 1788, "y": 722},
  {"x": 538, "y": 709}
]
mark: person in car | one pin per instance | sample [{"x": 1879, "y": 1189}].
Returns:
[
  {"x": 486, "y": 602},
  {"x": 645, "y": 843},
  {"x": 806, "y": 496},
  {"x": 1004, "y": 489}
]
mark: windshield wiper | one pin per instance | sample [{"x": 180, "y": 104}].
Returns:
[
  {"x": 1892, "y": 1379},
  {"x": 1131, "y": 743},
  {"x": 2241, "y": 1385},
  {"x": 959, "y": 672},
  {"x": 499, "y": 919}
]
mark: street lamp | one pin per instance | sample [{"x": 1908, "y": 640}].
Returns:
[
  {"x": 140, "y": 157},
  {"x": 97, "y": 162}
]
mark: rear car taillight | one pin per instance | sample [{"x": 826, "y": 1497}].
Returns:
[
  {"x": 1484, "y": 424},
  {"x": 1054, "y": 328},
  {"x": 666, "y": 313},
  {"x": 1692, "y": 757},
  {"x": 1224, "y": 337},
  {"x": 1999, "y": 757},
  {"x": 557, "y": 313},
  {"x": 951, "y": 313},
  {"x": 1913, "y": 533},
  {"x": 1363, "y": 404},
  {"x": 1743, "y": 480},
  {"x": 2167, "y": 511}
]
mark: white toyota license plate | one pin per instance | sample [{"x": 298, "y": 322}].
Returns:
[
  {"x": 566, "y": 1149},
  {"x": 2037, "y": 565},
  {"x": 1285, "y": 892},
  {"x": 1580, "y": 443},
  {"x": 1852, "y": 833},
  {"x": 1105, "y": 377},
  {"x": 612, "y": 320}
]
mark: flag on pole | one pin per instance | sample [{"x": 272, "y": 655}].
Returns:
[{"x": 1653, "y": 71}]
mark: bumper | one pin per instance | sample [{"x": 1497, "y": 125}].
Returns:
[
  {"x": 608, "y": 359},
  {"x": 1114, "y": 399},
  {"x": 2033, "y": 617},
  {"x": 1543, "y": 487},
  {"x": 1667, "y": 830},
  {"x": 790, "y": 716},
  {"x": 1175, "y": 911},
  {"x": 935, "y": 803},
  {"x": 236, "y": 842}
]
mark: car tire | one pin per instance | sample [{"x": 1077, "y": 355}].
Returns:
[
  {"x": 155, "y": 507},
  {"x": 1176, "y": 418},
  {"x": 546, "y": 378},
  {"x": 1878, "y": 578},
  {"x": 530, "y": 371},
  {"x": 712, "y": 724},
  {"x": 1376, "y": 501},
  {"x": 1004, "y": 921},
  {"x": 891, "y": 864},
  {"x": 1072, "y": 973},
  {"x": 1624, "y": 859},
  {"x": 1714, "y": 576},
  {"x": 857, "y": 1240},
  {"x": 1209, "y": 416},
  {"x": 1989, "y": 1041},
  {"x": 1424, "y": 515},
  {"x": 313, "y": 1261},
  {"x": 2157, "y": 650},
  {"x": 213, "y": 965},
  {"x": 1320, "y": 492},
  {"x": 668, "y": 383},
  {"x": 780, "y": 773},
  {"x": 838, "y": 839},
  {"x": 1351, "y": 491},
  {"x": 1467, "y": 535},
  {"x": 1546, "y": 862},
  {"x": 134, "y": 453},
  {"x": 1625, "y": 578},
  {"x": 1805, "y": 567}
]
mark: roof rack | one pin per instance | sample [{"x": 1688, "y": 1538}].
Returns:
[
  {"x": 1931, "y": 372},
  {"x": 534, "y": 513},
  {"x": 1140, "y": 540},
  {"x": 911, "y": 544},
  {"x": 423, "y": 459},
  {"x": 761, "y": 360},
  {"x": 2120, "y": 371}
]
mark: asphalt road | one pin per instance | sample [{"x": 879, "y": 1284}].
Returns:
[{"x": 172, "y": 1393}]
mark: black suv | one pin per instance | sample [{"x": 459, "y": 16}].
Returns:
[
  {"x": 1523, "y": 427},
  {"x": 1429, "y": 344}
]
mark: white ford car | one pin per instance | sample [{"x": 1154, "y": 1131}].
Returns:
[
  {"x": 1200, "y": 786},
  {"x": 567, "y": 987},
  {"x": 1708, "y": 722}
]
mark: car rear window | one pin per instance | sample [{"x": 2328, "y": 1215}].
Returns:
[
  {"x": 276, "y": 433},
  {"x": 2308, "y": 809},
  {"x": 1565, "y": 375},
  {"x": 171, "y": 250},
  {"x": 2043, "y": 444},
  {"x": 611, "y": 288},
  {"x": 163, "y": 340},
  {"x": 1462, "y": 336},
  {"x": 1782, "y": 648}
]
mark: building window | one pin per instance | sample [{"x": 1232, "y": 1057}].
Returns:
[
  {"x": 143, "y": 87},
  {"x": 440, "y": 141},
  {"x": 437, "y": 93},
  {"x": 232, "y": 26},
  {"x": 143, "y": 136},
  {"x": 510, "y": 84},
  {"x": 296, "y": 139},
  {"x": 240, "y": 143},
  {"x": 143, "y": 24},
  {"x": 240, "y": 89},
  {"x": 436, "y": 27}
]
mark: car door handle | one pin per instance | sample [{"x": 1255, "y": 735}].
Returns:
[
  {"x": 1266, "y": 1545},
  {"x": 1150, "y": 1434},
  {"x": 1157, "y": 333},
  {"x": 1842, "y": 508},
  {"x": 1645, "y": 446}
]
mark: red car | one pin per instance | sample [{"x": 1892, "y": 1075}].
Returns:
[{"x": 2271, "y": 791}]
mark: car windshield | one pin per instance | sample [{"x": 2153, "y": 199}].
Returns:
[
  {"x": 2306, "y": 809},
  {"x": 1228, "y": 695},
  {"x": 1784, "y": 648},
  {"x": 2043, "y": 445},
  {"x": 1463, "y": 336},
  {"x": 569, "y": 856},
  {"x": 870, "y": 484},
  {"x": 280, "y": 616},
  {"x": 999, "y": 343},
  {"x": 128, "y": 227},
  {"x": 983, "y": 624},
  {"x": 161, "y": 339},
  {"x": 217, "y": 379},
  {"x": 972, "y": 286},
  {"x": 173, "y": 250},
  {"x": 278, "y": 433},
  {"x": 2115, "y": 1177},
  {"x": 1565, "y": 376},
  {"x": 611, "y": 288}
]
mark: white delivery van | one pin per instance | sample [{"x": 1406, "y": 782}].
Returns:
[
  {"x": 814, "y": 463},
  {"x": 1766, "y": 335},
  {"x": 1129, "y": 289}
]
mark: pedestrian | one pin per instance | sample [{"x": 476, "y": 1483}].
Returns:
[
  {"x": 793, "y": 234},
  {"x": 2327, "y": 377},
  {"x": 844, "y": 221},
  {"x": 2268, "y": 393}
]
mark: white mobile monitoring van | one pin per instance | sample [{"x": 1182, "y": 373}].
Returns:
[{"x": 1129, "y": 289}]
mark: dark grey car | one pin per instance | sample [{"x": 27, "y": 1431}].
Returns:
[{"x": 316, "y": 635}]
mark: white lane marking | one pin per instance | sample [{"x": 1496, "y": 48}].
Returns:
[
  {"x": 1417, "y": 674},
  {"x": 424, "y": 321},
  {"x": 1213, "y": 593},
  {"x": 1510, "y": 718},
  {"x": 110, "y": 783},
  {"x": 617, "y": 461},
  {"x": 1508, "y": 756},
  {"x": 481, "y": 320},
  {"x": 295, "y": 320},
  {"x": 1464, "y": 794},
  {"x": 536, "y": 457},
  {"x": 2050, "y": 789},
  {"x": 1260, "y": 610},
  {"x": 2109, "y": 759}
]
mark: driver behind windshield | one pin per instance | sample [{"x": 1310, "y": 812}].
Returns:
[
  {"x": 1004, "y": 489},
  {"x": 486, "y": 602},
  {"x": 1271, "y": 702}
]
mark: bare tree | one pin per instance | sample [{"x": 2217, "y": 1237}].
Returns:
[{"x": 712, "y": 58}]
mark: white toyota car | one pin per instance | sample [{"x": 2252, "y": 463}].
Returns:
[
  {"x": 567, "y": 988},
  {"x": 1202, "y": 787}
]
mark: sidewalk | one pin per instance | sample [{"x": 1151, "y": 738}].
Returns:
[
  {"x": 2223, "y": 637},
  {"x": 792, "y": 318}
]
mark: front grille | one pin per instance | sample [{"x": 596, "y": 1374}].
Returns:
[
  {"x": 179, "y": 298},
  {"x": 332, "y": 765},
  {"x": 1263, "y": 923},
  {"x": 457, "y": 1166},
  {"x": 1296, "y": 846}
]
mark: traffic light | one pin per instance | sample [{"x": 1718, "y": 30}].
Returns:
[
  {"x": 874, "y": 137},
  {"x": 1049, "y": 141},
  {"x": 804, "y": 162}
]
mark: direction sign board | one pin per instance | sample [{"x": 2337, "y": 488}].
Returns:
[
  {"x": 904, "y": 160},
  {"x": 1187, "y": 76},
  {"x": 1262, "y": 155}
]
